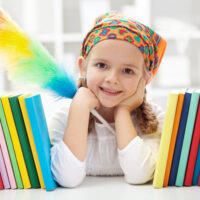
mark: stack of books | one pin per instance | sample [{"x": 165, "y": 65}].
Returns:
[
  {"x": 178, "y": 161},
  {"x": 24, "y": 144}
]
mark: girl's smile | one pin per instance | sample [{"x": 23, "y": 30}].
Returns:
[{"x": 110, "y": 92}]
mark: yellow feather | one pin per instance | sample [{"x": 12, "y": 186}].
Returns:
[{"x": 13, "y": 42}]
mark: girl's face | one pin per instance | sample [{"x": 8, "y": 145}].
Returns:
[{"x": 113, "y": 69}]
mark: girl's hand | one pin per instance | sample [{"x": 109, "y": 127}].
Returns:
[
  {"x": 135, "y": 100},
  {"x": 85, "y": 98}
]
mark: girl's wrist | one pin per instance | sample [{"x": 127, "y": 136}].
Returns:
[
  {"x": 80, "y": 107},
  {"x": 120, "y": 111}
]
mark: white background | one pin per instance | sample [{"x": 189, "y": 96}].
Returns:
[{"x": 61, "y": 25}]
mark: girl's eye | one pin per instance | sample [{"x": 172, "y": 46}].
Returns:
[
  {"x": 101, "y": 65},
  {"x": 128, "y": 71}
]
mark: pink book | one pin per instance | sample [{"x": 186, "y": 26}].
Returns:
[
  {"x": 4, "y": 172},
  {"x": 7, "y": 159}
]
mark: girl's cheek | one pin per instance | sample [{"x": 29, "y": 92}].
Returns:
[
  {"x": 91, "y": 83},
  {"x": 132, "y": 87},
  {"x": 93, "y": 79}
]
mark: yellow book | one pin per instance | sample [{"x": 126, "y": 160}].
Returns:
[
  {"x": 165, "y": 140},
  {"x": 16, "y": 142},
  {"x": 30, "y": 137}
]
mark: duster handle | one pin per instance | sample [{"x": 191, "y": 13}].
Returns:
[{"x": 97, "y": 115}]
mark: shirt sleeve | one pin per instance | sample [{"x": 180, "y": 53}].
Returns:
[
  {"x": 67, "y": 170},
  {"x": 138, "y": 158}
]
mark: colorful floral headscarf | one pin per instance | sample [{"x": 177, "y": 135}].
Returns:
[{"x": 116, "y": 26}]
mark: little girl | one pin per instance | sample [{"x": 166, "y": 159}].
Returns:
[{"x": 119, "y": 57}]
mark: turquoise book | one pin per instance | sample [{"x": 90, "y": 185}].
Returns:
[
  {"x": 41, "y": 138},
  {"x": 187, "y": 138}
]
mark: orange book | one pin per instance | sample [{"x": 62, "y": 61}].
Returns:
[{"x": 173, "y": 138}]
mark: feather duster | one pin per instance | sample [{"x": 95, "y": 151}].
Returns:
[{"x": 28, "y": 61}]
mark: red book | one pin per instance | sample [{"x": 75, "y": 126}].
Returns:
[
  {"x": 193, "y": 151},
  {"x": 199, "y": 181},
  {"x": 1, "y": 182}
]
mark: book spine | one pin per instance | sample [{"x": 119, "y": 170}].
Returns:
[
  {"x": 187, "y": 139},
  {"x": 1, "y": 183},
  {"x": 165, "y": 140},
  {"x": 41, "y": 138},
  {"x": 10, "y": 148},
  {"x": 23, "y": 138},
  {"x": 173, "y": 138},
  {"x": 193, "y": 151},
  {"x": 197, "y": 168},
  {"x": 4, "y": 172},
  {"x": 31, "y": 139},
  {"x": 179, "y": 140},
  {"x": 7, "y": 159},
  {"x": 16, "y": 143}
]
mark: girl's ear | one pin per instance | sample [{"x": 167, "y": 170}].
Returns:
[
  {"x": 150, "y": 76},
  {"x": 82, "y": 66}
]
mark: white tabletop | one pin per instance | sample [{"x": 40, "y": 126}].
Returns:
[{"x": 96, "y": 188}]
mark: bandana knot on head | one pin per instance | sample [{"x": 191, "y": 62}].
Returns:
[{"x": 117, "y": 26}]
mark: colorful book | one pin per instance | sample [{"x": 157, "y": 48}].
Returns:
[
  {"x": 41, "y": 137},
  {"x": 7, "y": 159},
  {"x": 1, "y": 182},
  {"x": 31, "y": 139},
  {"x": 173, "y": 138},
  {"x": 10, "y": 148},
  {"x": 3, "y": 171},
  {"x": 197, "y": 168},
  {"x": 165, "y": 140},
  {"x": 16, "y": 142},
  {"x": 23, "y": 138},
  {"x": 187, "y": 138},
  {"x": 179, "y": 140},
  {"x": 193, "y": 151}
]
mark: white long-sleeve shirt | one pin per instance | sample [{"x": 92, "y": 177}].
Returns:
[{"x": 136, "y": 161}]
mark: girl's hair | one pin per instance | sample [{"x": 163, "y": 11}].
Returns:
[{"x": 144, "y": 115}]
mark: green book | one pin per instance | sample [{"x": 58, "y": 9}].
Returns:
[
  {"x": 23, "y": 137},
  {"x": 10, "y": 148}
]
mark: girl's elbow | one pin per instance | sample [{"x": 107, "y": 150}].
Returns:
[
  {"x": 139, "y": 176},
  {"x": 66, "y": 175},
  {"x": 69, "y": 180},
  {"x": 66, "y": 170}
]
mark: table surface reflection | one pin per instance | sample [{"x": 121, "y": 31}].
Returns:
[{"x": 104, "y": 188}]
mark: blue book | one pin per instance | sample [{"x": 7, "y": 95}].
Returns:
[
  {"x": 187, "y": 138},
  {"x": 196, "y": 169},
  {"x": 179, "y": 139},
  {"x": 41, "y": 138}
]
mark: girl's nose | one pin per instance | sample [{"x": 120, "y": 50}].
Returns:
[{"x": 112, "y": 77}]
